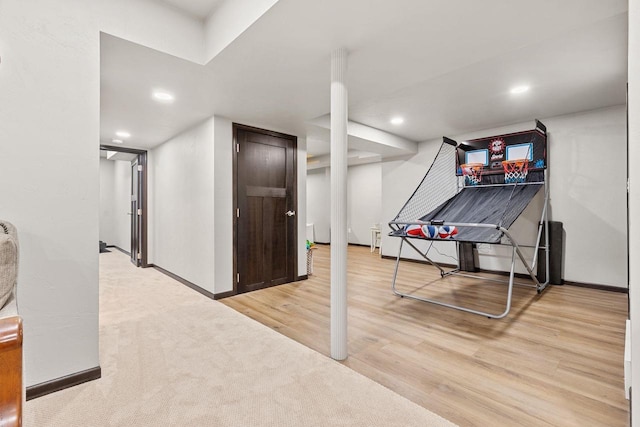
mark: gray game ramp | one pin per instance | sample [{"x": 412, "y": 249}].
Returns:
[{"x": 499, "y": 205}]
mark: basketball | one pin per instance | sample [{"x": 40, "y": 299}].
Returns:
[
  {"x": 447, "y": 231},
  {"x": 430, "y": 231},
  {"x": 414, "y": 230}
]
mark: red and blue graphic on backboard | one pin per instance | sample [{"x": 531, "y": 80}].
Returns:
[{"x": 492, "y": 151}]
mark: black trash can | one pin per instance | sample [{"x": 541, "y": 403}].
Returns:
[
  {"x": 466, "y": 256},
  {"x": 556, "y": 240}
]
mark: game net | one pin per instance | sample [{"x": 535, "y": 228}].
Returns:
[
  {"x": 515, "y": 170},
  {"x": 472, "y": 173}
]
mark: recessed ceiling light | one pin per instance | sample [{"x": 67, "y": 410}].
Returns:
[
  {"x": 123, "y": 134},
  {"x": 397, "y": 121},
  {"x": 161, "y": 95},
  {"x": 116, "y": 141},
  {"x": 519, "y": 89}
]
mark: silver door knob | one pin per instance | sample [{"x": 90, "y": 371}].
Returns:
[{"x": 290, "y": 213}]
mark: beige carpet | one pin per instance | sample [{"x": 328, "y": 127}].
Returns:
[{"x": 172, "y": 357}]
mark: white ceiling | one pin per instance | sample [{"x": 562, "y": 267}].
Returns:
[
  {"x": 446, "y": 67},
  {"x": 200, "y": 9}
]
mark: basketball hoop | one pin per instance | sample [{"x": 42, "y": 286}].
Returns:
[
  {"x": 472, "y": 173},
  {"x": 515, "y": 170}
]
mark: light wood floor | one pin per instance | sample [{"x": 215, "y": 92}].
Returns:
[{"x": 555, "y": 360}]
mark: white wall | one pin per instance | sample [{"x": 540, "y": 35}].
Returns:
[
  {"x": 223, "y": 214},
  {"x": 301, "y": 213},
  {"x": 364, "y": 195},
  {"x": 183, "y": 205},
  {"x": 106, "y": 201},
  {"x": 49, "y": 110},
  {"x": 122, "y": 205},
  {"x": 587, "y": 193},
  {"x": 634, "y": 201},
  {"x": 115, "y": 203},
  {"x": 146, "y": 22},
  {"x": 230, "y": 19},
  {"x": 50, "y": 76},
  {"x": 319, "y": 203}
]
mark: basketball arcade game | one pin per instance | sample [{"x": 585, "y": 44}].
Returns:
[{"x": 474, "y": 192}]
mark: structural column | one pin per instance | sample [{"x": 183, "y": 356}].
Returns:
[{"x": 339, "y": 204}]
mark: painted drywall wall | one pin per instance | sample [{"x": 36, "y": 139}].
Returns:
[
  {"x": 230, "y": 19},
  {"x": 319, "y": 203},
  {"x": 146, "y": 22},
  {"x": 587, "y": 193},
  {"x": 223, "y": 205},
  {"x": 115, "y": 203},
  {"x": 364, "y": 195},
  {"x": 301, "y": 213},
  {"x": 183, "y": 205},
  {"x": 50, "y": 85},
  {"x": 151, "y": 217},
  {"x": 634, "y": 201},
  {"x": 50, "y": 76},
  {"x": 106, "y": 200},
  {"x": 122, "y": 205}
]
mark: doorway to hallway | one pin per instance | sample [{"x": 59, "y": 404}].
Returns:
[{"x": 123, "y": 202}]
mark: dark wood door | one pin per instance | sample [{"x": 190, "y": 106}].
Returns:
[{"x": 266, "y": 209}]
